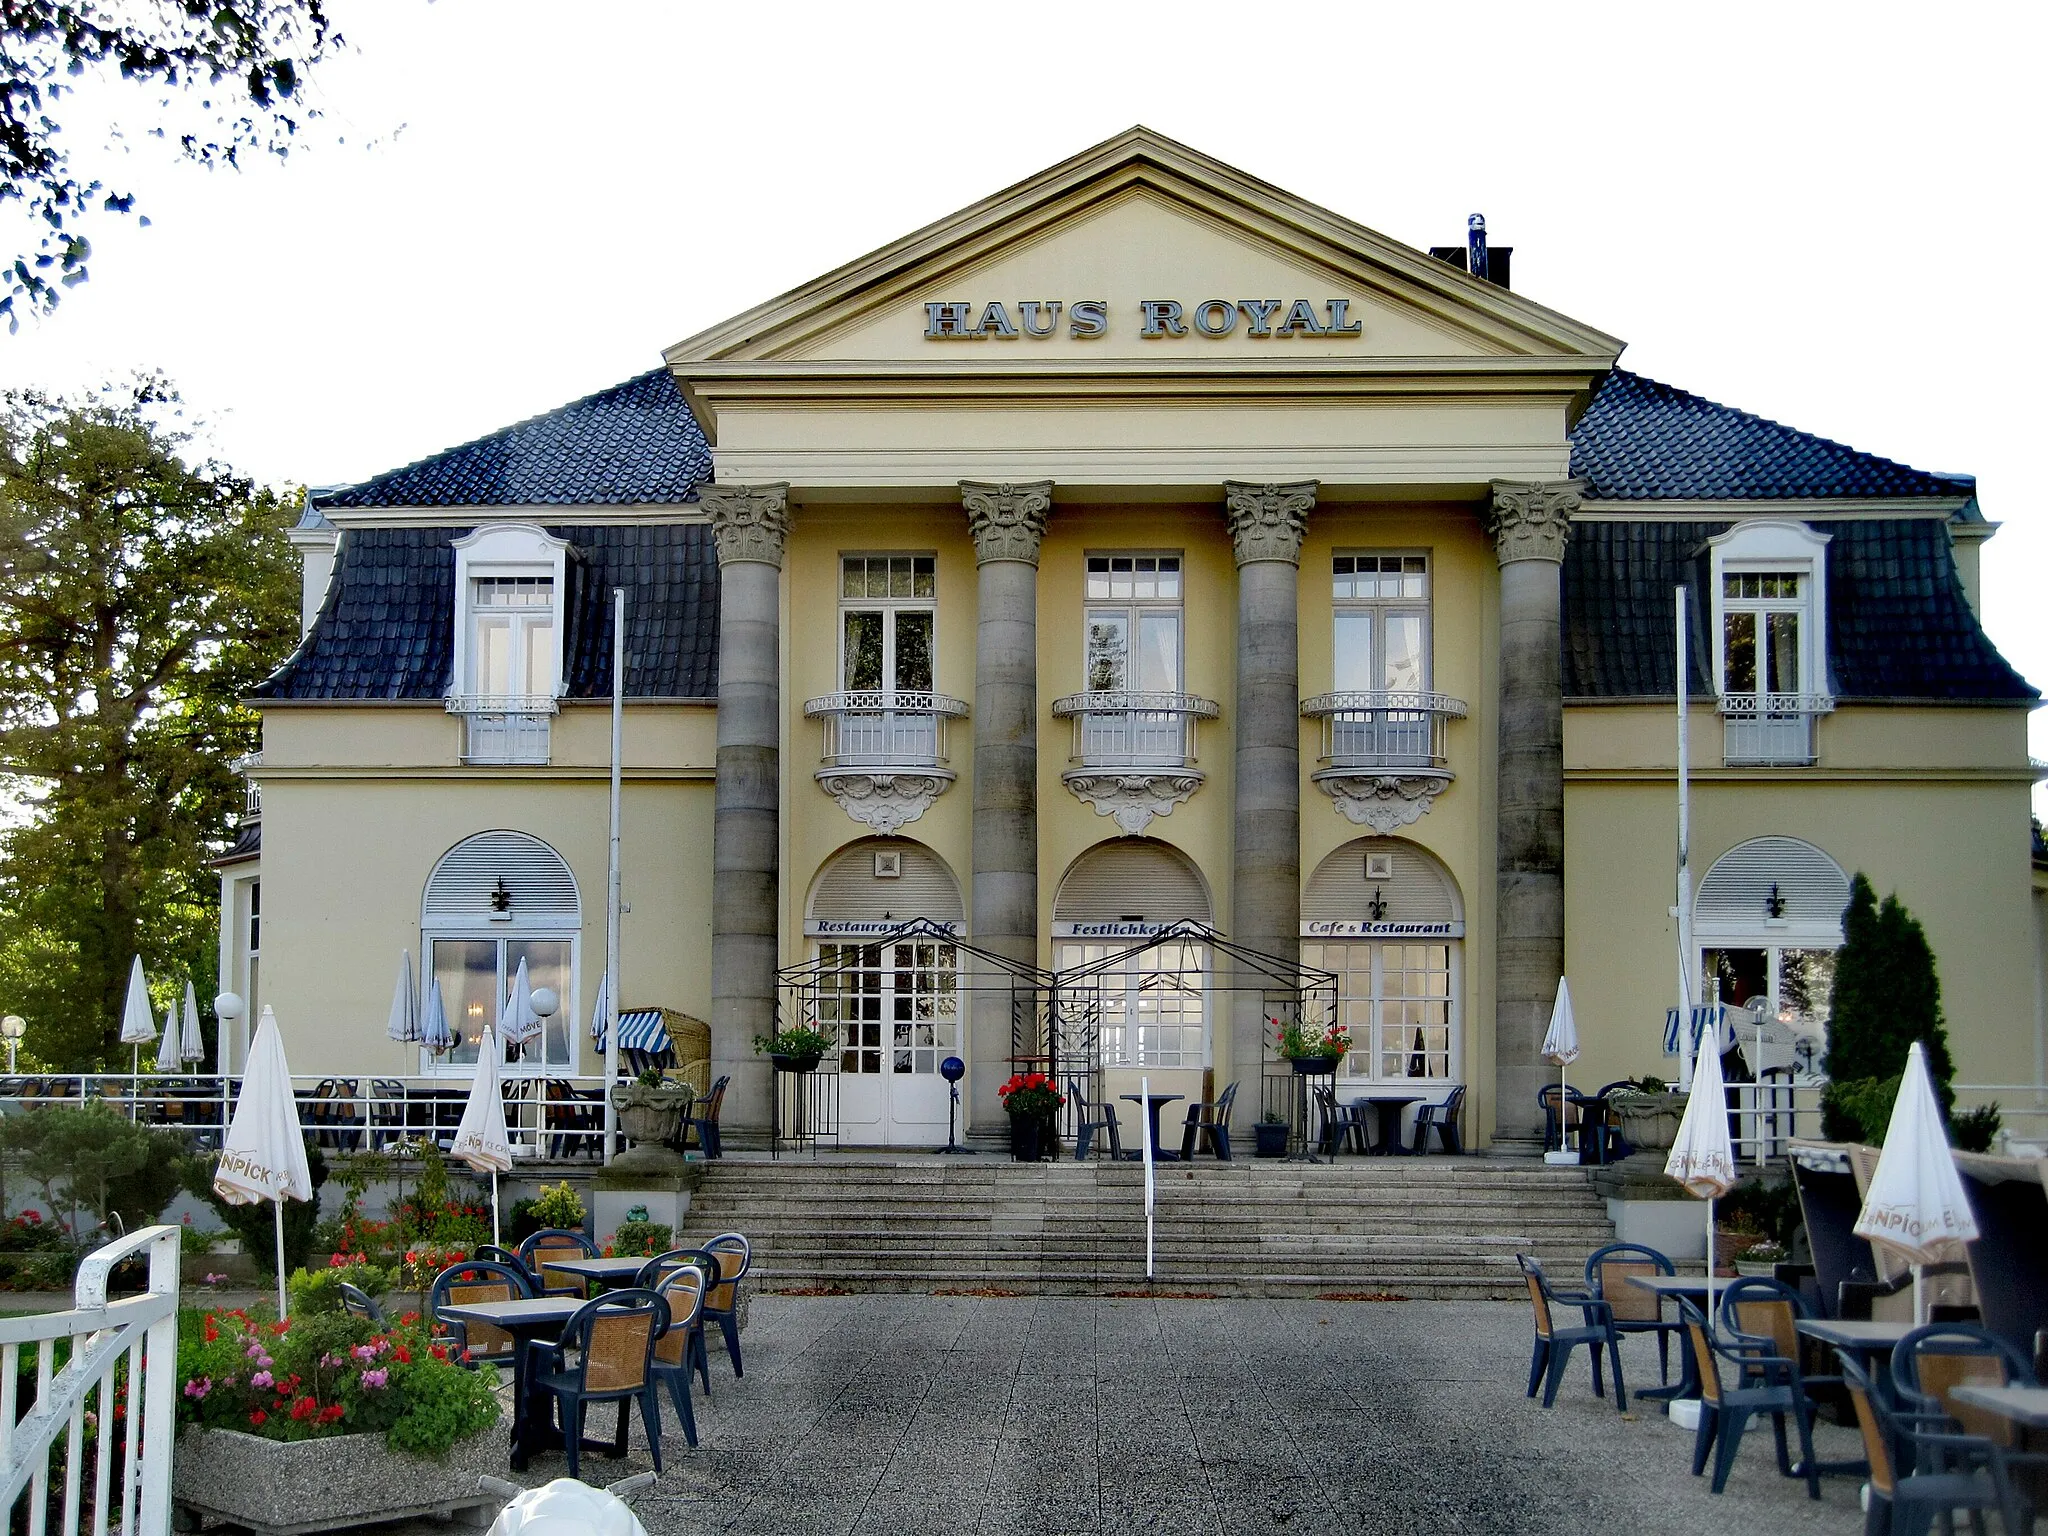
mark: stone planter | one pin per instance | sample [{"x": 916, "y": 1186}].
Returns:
[
  {"x": 651, "y": 1117},
  {"x": 283, "y": 1488},
  {"x": 1765, "y": 1268},
  {"x": 1648, "y": 1123}
]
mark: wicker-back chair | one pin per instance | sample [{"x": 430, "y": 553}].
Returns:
[
  {"x": 613, "y": 1341},
  {"x": 730, "y": 1256},
  {"x": 1725, "y": 1410},
  {"x": 1951, "y": 1471},
  {"x": 1634, "y": 1309},
  {"x": 1931, "y": 1362},
  {"x": 561, "y": 1243},
  {"x": 1554, "y": 1344},
  {"x": 476, "y": 1280},
  {"x": 680, "y": 1349}
]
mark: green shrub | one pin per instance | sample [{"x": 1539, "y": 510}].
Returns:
[
  {"x": 641, "y": 1239},
  {"x": 253, "y": 1224},
  {"x": 1767, "y": 1207},
  {"x": 1859, "y": 1109},
  {"x": 92, "y": 1158},
  {"x": 558, "y": 1206},
  {"x": 316, "y": 1291},
  {"x": 1975, "y": 1130}
]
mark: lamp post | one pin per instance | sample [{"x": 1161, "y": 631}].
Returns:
[
  {"x": 545, "y": 1002},
  {"x": 12, "y": 1028},
  {"x": 228, "y": 1009}
]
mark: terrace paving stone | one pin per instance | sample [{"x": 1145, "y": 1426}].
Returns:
[{"x": 1091, "y": 1416}]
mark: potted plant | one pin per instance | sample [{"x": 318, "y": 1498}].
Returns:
[
  {"x": 1313, "y": 1048},
  {"x": 1269, "y": 1136},
  {"x": 558, "y": 1207},
  {"x": 651, "y": 1110},
  {"x": 1031, "y": 1100},
  {"x": 328, "y": 1422},
  {"x": 1761, "y": 1258},
  {"x": 1648, "y": 1114},
  {"x": 796, "y": 1049}
]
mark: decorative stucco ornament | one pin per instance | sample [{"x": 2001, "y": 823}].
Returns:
[
  {"x": 884, "y": 802},
  {"x": 1007, "y": 521},
  {"x": 1267, "y": 521},
  {"x": 749, "y": 522},
  {"x": 1382, "y": 801},
  {"x": 1132, "y": 799},
  {"x": 1532, "y": 519}
]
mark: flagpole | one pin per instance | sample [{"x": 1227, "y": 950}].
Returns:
[
  {"x": 611, "y": 942},
  {"x": 1683, "y": 912}
]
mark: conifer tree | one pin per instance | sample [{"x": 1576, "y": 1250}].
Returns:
[{"x": 1887, "y": 995}]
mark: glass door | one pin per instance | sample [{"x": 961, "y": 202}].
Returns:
[{"x": 895, "y": 1009}]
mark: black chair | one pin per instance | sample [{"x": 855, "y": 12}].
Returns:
[
  {"x": 1554, "y": 1345},
  {"x": 357, "y": 1302},
  {"x": 1209, "y": 1122},
  {"x": 387, "y": 1111},
  {"x": 1725, "y": 1411},
  {"x": 476, "y": 1280},
  {"x": 652, "y": 1276},
  {"x": 1444, "y": 1118},
  {"x": 496, "y": 1255},
  {"x": 727, "y": 1258},
  {"x": 1341, "y": 1123},
  {"x": 1090, "y": 1117},
  {"x": 1932, "y": 1361},
  {"x": 1561, "y": 1114},
  {"x": 1634, "y": 1309},
  {"x": 703, "y": 1120},
  {"x": 680, "y": 1349},
  {"x": 571, "y": 1125},
  {"x": 1907, "y": 1504},
  {"x": 613, "y": 1340},
  {"x": 561, "y": 1243}
]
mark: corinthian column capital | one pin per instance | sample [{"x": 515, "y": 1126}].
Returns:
[
  {"x": 748, "y": 522},
  {"x": 1007, "y": 521},
  {"x": 1267, "y": 521},
  {"x": 1532, "y": 519}
]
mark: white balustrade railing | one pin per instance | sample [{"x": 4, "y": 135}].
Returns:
[
  {"x": 1385, "y": 730},
  {"x": 506, "y": 727},
  {"x": 1770, "y": 728},
  {"x": 870, "y": 729},
  {"x": 1125, "y": 729},
  {"x": 113, "y": 1403}
]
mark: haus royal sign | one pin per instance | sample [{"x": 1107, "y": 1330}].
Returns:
[{"x": 1156, "y": 319}]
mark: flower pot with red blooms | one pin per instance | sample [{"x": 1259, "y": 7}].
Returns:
[
  {"x": 1311, "y": 1049},
  {"x": 1031, "y": 1100}
]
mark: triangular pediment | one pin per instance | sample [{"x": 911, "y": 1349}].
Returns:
[{"x": 1257, "y": 275}]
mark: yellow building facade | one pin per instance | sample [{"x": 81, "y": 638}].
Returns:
[{"x": 1151, "y": 594}]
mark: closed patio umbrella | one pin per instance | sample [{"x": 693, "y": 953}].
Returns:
[
  {"x": 404, "y": 1022},
  {"x": 480, "y": 1140},
  {"x": 264, "y": 1155},
  {"x": 1561, "y": 1049},
  {"x": 170, "y": 1050},
  {"x": 435, "y": 1034},
  {"x": 1703, "y": 1157},
  {"x": 191, "y": 1042},
  {"x": 600, "y": 1010},
  {"x": 1915, "y": 1204},
  {"x": 520, "y": 1024},
  {"x": 138, "y": 1022}
]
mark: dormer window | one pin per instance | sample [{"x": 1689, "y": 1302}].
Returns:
[
  {"x": 1770, "y": 659},
  {"x": 510, "y": 578}
]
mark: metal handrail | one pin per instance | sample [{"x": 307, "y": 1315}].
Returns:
[
  {"x": 1124, "y": 702},
  {"x": 874, "y": 730},
  {"x": 1777, "y": 704},
  {"x": 1379, "y": 730},
  {"x": 1360, "y": 702},
  {"x": 869, "y": 701},
  {"x": 502, "y": 704}
]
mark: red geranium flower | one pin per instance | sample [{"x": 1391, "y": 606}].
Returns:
[
  {"x": 258, "y": 1416},
  {"x": 403, "y": 1355}
]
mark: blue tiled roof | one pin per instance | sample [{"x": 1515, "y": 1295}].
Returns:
[
  {"x": 635, "y": 442},
  {"x": 1645, "y": 441},
  {"x": 1899, "y": 626},
  {"x": 387, "y": 628}
]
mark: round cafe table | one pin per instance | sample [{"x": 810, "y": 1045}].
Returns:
[{"x": 1153, "y": 1102}]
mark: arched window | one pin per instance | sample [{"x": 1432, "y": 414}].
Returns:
[
  {"x": 1154, "y": 1004},
  {"x": 1767, "y": 920},
  {"x": 494, "y": 900}
]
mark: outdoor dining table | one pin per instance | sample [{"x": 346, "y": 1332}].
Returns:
[
  {"x": 621, "y": 1271},
  {"x": 2026, "y": 1407},
  {"x": 529, "y": 1320},
  {"x": 1389, "y": 1107},
  {"x": 1153, "y": 1103},
  {"x": 1693, "y": 1287}
]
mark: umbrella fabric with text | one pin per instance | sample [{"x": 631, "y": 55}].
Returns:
[
  {"x": 1915, "y": 1204},
  {"x": 520, "y": 1026},
  {"x": 1703, "y": 1155},
  {"x": 480, "y": 1140},
  {"x": 264, "y": 1155},
  {"x": 1561, "y": 1049}
]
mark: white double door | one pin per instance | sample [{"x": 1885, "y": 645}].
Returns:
[{"x": 895, "y": 1008}]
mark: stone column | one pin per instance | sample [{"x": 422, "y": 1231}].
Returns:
[
  {"x": 1266, "y": 525},
  {"x": 1530, "y": 524},
  {"x": 1007, "y": 522},
  {"x": 748, "y": 523}
]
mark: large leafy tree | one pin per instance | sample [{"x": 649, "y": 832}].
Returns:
[
  {"x": 1887, "y": 995},
  {"x": 141, "y": 595},
  {"x": 233, "y": 70}
]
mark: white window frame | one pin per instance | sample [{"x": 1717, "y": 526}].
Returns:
[
  {"x": 507, "y": 550},
  {"x": 1380, "y": 607},
  {"x": 547, "y": 928},
  {"x": 1772, "y": 728},
  {"x": 1131, "y": 607}
]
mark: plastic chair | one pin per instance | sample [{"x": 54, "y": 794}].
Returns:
[
  {"x": 1906, "y": 1505},
  {"x": 1931, "y": 1362},
  {"x": 1444, "y": 1118},
  {"x": 1725, "y": 1411},
  {"x": 1559, "y": 1120},
  {"x": 613, "y": 1339},
  {"x": 1635, "y": 1310},
  {"x": 1340, "y": 1123},
  {"x": 1209, "y": 1122},
  {"x": 1554, "y": 1345},
  {"x": 727, "y": 1258},
  {"x": 703, "y": 1119},
  {"x": 471, "y": 1281},
  {"x": 680, "y": 1349},
  {"x": 496, "y": 1255},
  {"x": 1086, "y": 1123},
  {"x": 387, "y": 1111},
  {"x": 357, "y": 1302},
  {"x": 562, "y": 1243}
]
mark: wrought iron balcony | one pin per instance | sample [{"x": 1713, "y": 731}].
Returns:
[
  {"x": 1770, "y": 729},
  {"x": 506, "y": 727},
  {"x": 883, "y": 755},
  {"x": 1134, "y": 753},
  {"x": 1386, "y": 756}
]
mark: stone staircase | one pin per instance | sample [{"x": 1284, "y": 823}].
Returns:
[{"x": 1437, "y": 1228}]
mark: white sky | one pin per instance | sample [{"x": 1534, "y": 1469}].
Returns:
[{"x": 1827, "y": 214}]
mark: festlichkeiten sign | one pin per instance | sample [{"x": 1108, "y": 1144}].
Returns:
[{"x": 1156, "y": 319}]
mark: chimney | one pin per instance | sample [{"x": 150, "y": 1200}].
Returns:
[{"x": 1475, "y": 255}]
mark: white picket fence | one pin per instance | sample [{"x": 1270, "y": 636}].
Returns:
[{"x": 124, "y": 1350}]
